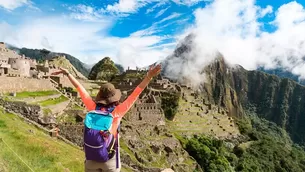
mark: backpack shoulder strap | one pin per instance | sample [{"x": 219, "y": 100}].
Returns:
[{"x": 98, "y": 107}]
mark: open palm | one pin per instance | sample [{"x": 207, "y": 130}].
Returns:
[{"x": 154, "y": 70}]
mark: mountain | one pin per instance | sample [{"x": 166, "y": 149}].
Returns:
[
  {"x": 269, "y": 111},
  {"x": 62, "y": 61},
  {"x": 43, "y": 54},
  {"x": 283, "y": 74},
  {"x": 279, "y": 100},
  {"x": 105, "y": 69}
]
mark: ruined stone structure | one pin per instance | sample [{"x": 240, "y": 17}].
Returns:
[{"x": 12, "y": 64}]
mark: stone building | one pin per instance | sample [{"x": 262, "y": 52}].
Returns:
[{"x": 12, "y": 64}]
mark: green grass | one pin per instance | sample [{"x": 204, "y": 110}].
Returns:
[
  {"x": 77, "y": 107},
  {"x": 47, "y": 111},
  {"x": 26, "y": 94},
  {"x": 54, "y": 101},
  {"x": 37, "y": 149}
]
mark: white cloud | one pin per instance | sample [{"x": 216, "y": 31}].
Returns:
[
  {"x": 161, "y": 12},
  {"x": 123, "y": 6},
  {"x": 156, "y": 26},
  {"x": 87, "y": 41},
  {"x": 188, "y": 2},
  {"x": 159, "y": 4},
  {"x": 170, "y": 17},
  {"x": 12, "y": 4},
  {"x": 232, "y": 28},
  {"x": 86, "y": 13}
]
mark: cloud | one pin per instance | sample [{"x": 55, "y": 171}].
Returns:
[
  {"x": 86, "y": 13},
  {"x": 124, "y": 6},
  {"x": 170, "y": 17},
  {"x": 159, "y": 4},
  {"x": 161, "y": 12},
  {"x": 235, "y": 29},
  {"x": 188, "y": 2},
  {"x": 63, "y": 35},
  {"x": 156, "y": 27},
  {"x": 13, "y": 4}
]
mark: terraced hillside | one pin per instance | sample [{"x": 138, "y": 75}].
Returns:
[{"x": 194, "y": 116}]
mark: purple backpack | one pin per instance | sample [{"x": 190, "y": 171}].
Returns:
[{"x": 99, "y": 144}]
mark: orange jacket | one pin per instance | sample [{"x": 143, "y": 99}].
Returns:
[{"x": 118, "y": 112}]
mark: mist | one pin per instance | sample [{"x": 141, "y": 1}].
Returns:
[{"x": 235, "y": 29}]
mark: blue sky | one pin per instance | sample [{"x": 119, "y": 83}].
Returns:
[{"x": 140, "y": 32}]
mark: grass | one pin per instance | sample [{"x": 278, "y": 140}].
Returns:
[
  {"x": 27, "y": 94},
  {"x": 76, "y": 107},
  {"x": 54, "y": 101},
  {"x": 47, "y": 111},
  {"x": 37, "y": 149}
]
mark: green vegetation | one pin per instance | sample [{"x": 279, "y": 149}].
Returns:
[
  {"x": 47, "y": 112},
  {"x": 104, "y": 70},
  {"x": 170, "y": 104},
  {"x": 282, "y": 73},
  {"x": 66, "y": 118},
  {"x": 268, "y": 148},
  {"x": 53, "y": 101},
  {"x": 76, "y": 107},
  {"x": 26, "y": 94},
  {"x": 35, "y": 148}
]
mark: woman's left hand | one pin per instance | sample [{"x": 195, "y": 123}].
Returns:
[{"x": 154, "y": 71}]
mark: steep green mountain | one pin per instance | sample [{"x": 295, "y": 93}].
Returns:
[
  {"x": 105, "y": 69},
  {"x": 283, "y": 74},
  {"x": 269, "y": 110},
  {"x": 44, "y": 54},
  {"x": 279, "y": 100}
]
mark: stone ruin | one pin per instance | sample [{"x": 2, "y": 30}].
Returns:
[{"x": 15, "y": 65}]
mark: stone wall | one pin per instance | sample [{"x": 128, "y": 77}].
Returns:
[
  {"x": 13, "y": 84},
  {"x": 31, "y": 112},
  {"x": 72, "y": 132}
]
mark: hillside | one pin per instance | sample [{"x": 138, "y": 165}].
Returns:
[
  {"x": 283, "y": 74},
  {"x": 279, "y": 100},
  {"x": 105, "y": 70},
  {"x": 37, "y": 149},
  {"x": 62, "y": 61},
  {"x": 44, "y": 54}
]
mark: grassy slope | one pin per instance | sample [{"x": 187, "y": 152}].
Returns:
[
  {"x": 27, "y": 94},
  {"x": 54, "y": 101},
  {"x": 38, "y": 150}
]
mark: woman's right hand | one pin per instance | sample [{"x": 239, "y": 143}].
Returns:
[{"x": 61, "y": 70}]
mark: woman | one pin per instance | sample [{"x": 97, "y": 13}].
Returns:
[{"x": 108, "y": 99}]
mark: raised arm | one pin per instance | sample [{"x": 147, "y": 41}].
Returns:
[
  {"x": 86, "y": 98},
  {"x": 124, "y": 107}
]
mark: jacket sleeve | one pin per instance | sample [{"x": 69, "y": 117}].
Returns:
[
  {"x": 86, "y": 98},
  {"x": 123, "y": 108}
]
